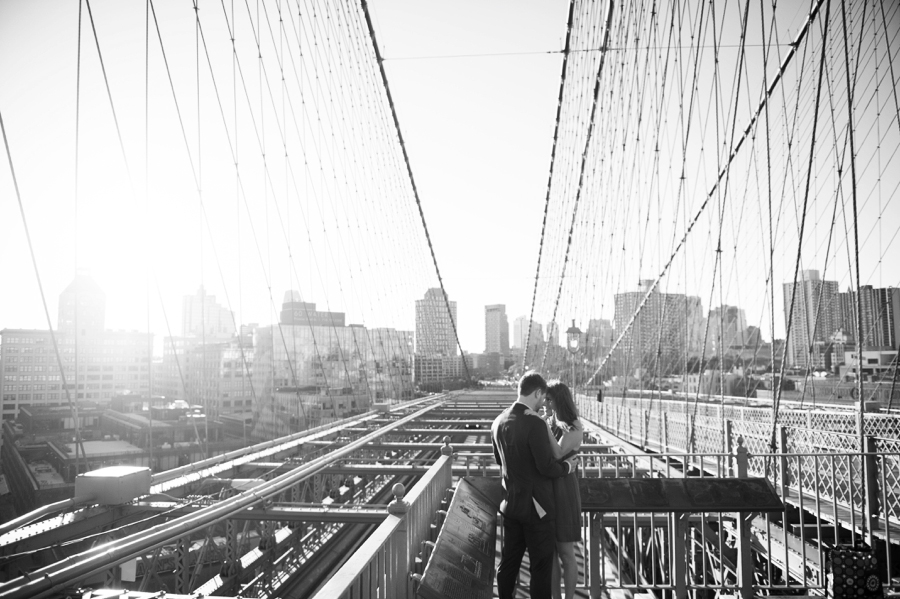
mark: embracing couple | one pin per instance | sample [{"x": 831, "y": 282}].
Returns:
[{"x": 541, "y": 503}]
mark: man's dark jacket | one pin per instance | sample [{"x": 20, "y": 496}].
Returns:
[{"x": 522, "y": 448}]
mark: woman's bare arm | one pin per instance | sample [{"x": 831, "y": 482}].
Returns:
[
  {"x": 572, "y": 439},
  {"x": 554, "y": 444}
]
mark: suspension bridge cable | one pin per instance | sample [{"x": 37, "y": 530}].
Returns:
[
  {"x": 859, "y": 327},
  {"x": 734, "y": 152},
  {"x": 412, "y": 181},
  {"x": 37, "y": 274},
  {"x": 559, "y": 105},
  {"x": 777, "y": 400},
  {"x": 584, "y": 157}
]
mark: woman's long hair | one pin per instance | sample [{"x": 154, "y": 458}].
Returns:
[{"x": 565, "y": 413}]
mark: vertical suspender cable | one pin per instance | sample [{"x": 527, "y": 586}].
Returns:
[
  {"x": 74, "y": 405},
  {"x": 203, "y": 364},
  {"x": 147, "y": 219},
  {"x": 734, "y": 152},
  {"x": 37, "y": 274},
  {"x": 559, "y": 102},
  {"x": 412, "y": 181},
  {"x": 584, "y": 159},
  {"x": 859, "y": 342},
  {"x": 776, "y": 404}
]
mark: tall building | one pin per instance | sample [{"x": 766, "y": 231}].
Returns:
[
  {"x": 219, "y": 377},
  {"x": 880, "y": 310},
  {"x": 307, "y": 354},
  {"x": 294, "y": 311},
  {"x": 521, "y": 336},
  {"x": 496, "y": 330},
  {"x": 663, "y": 332},
  {"x": 727, "y": 328},
  {"x": 436, "y": 359},
  {"x": 82, "y": 307},
  {"x": 817, "y": 315},
  {"x": 435, "y": 326},
  {"x": 599, "y": 338},
  {"x": 331, "y": 358},
  {"x": 535, "y": 340},
  {"x": 96, "y": 364},
  {"x": 203, "y": 317},
  {"x": 520, "y": 332},
  {"x": 552, "y": 334}
]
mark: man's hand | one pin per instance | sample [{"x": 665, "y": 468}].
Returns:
[{"x": 572, "y": 462}]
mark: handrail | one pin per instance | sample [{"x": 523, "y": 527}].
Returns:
[
  {"x": 57, "y": 576},
  {"x": 396, "y": 538}
]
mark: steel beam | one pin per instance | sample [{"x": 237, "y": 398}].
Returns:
[
  {"x": 286, "y": 512},
  {"x": 65, "y": 573}
]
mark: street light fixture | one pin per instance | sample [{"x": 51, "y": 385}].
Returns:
[{"x": 573, "y": 340}]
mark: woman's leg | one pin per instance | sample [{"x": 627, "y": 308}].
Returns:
[
  {"x": 555, "y": 581},
  {"x": 566, "y": 552}
]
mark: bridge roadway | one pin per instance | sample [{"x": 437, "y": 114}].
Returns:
[{"x": 321, "y": 491}]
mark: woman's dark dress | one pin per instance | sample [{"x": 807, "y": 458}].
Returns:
[{"x": 568, "y": 503}]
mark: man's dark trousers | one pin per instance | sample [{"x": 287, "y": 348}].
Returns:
[{"x": 538, "y": 535}]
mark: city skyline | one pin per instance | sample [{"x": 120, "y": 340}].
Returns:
[
  {"x": 169, "y": 209},
  {"x": 838, "y": 314},
  {"x": 261, "y": 261}
]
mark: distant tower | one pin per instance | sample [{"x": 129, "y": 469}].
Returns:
[
  {"x": 496, "y": 330},
  {"x": 662, "y": 333},
  {"x": 82, "y": 307},
  {"x": 880, "y": 316},
  {"x": 552, "y": 334},
  {"x": 817, "y": 315},
  {"x": 202, "y": 316},
  {"x": 727, "y": 328},
  {"x": 434, "y": 329},
  {"x": 520, "y": 332}
]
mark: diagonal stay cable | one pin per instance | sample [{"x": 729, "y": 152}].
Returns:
[
  {"x": 584, "y": 160},
  {"x": 112, "y": 106},
  {"x": 380, "y": 60},
  {"x": 859, "y": 318},
  {"x": 559, "y": 104},
  {"x": 734, "y": 152},
  {"x": 37, "y": 274}
]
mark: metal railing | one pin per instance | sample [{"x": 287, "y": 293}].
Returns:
[
  {"x": 828, "y": 484},
  {"x": 380, "y": 568}
]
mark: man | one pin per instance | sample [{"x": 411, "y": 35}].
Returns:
[{"x": 522, "y": 449}]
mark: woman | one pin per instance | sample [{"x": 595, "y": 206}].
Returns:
[{"x": 567, "y": 431}]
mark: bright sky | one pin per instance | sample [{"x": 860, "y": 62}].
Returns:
[
  {"x": 477, "y": 129},
  {"x": 319, "y": 200}
]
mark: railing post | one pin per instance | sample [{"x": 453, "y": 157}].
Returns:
[
  {"x": 871, "y": 473},
  {"x": 679, "y": 554},
  {"x": 628, "y": 426},
  {"x": 596, "y": 555},
  {"x": 665, "y": 432},
  {"x": 743, "y": 459},
  {"x": 398, "y": 582},
  {"x": 782, "y": 459},
  {"x": 745, "y": 556},
  {"x": 728, "y": 445},
  {"x": 691, "y": 440},
  {"x": 645, "y": 417}
]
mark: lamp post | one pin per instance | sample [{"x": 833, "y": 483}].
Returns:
[{"x": 573, "y": 340}]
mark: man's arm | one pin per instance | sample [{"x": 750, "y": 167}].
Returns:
[{"x": 497, "y": 455}]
